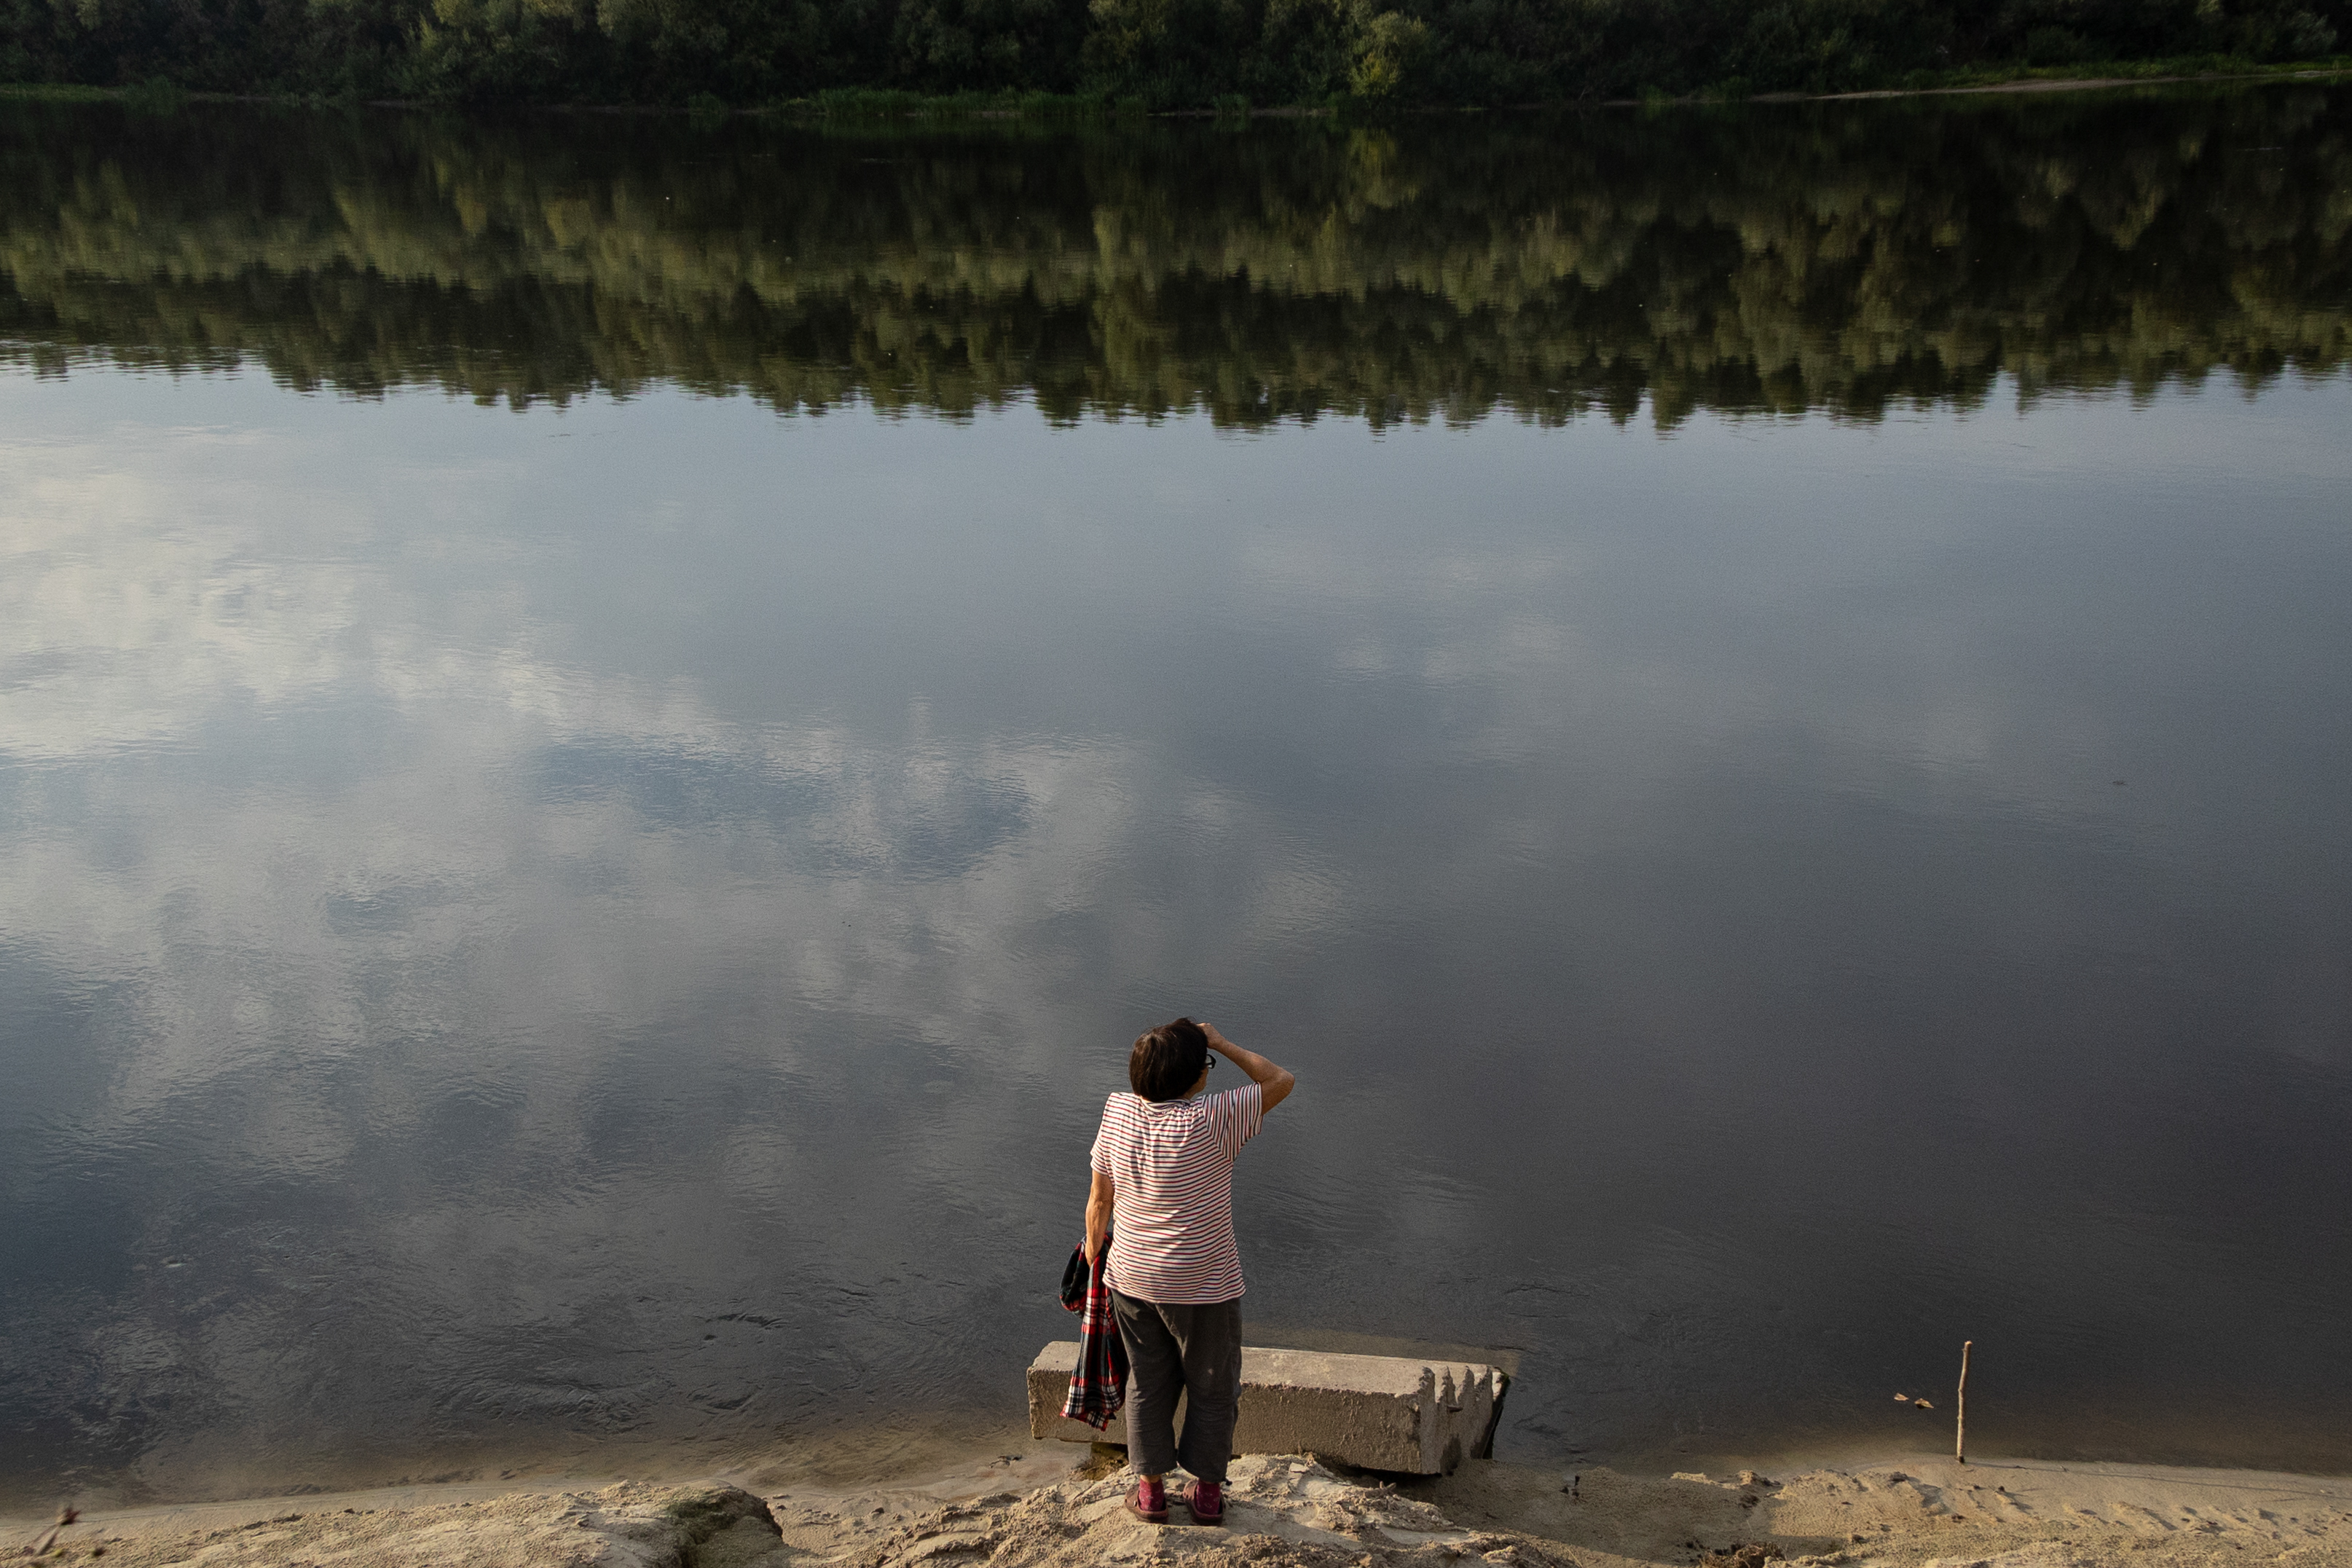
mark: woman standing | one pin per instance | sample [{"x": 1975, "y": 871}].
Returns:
[{"x": 1163, "y": 1163}]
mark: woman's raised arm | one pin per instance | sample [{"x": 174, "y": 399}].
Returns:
[{"x": 1275, "y": 1082}]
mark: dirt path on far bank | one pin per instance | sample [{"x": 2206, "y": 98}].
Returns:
[
  {"x": 2024, "y": 84},
  {"x": 2078, "y": 84}
]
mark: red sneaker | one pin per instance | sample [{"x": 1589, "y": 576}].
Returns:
[
  {"x": 1207, "y": 1501},
  {"x": 1150, "y": 1501}
]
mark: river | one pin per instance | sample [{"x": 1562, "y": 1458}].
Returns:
[{"x": 609, "y": 724}]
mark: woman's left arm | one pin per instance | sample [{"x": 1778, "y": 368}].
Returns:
[{"x": 1099, "y": 1200}]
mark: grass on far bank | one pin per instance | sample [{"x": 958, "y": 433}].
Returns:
[
  {"x": 885, "y": 103},
  {"x": 59, "y": 92}
]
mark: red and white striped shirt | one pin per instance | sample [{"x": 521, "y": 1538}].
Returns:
[{"x": 1172, "y": 1165}]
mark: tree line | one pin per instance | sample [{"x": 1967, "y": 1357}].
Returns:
[
  {"x": 1768, "y": 259},
  {"x": 1155, "y": 53}
]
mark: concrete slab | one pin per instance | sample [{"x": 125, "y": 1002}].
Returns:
[{"x": 1381, "y": 1412}]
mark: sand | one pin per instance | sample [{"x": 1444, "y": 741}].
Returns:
[{"x": 1050, "y": 1509}]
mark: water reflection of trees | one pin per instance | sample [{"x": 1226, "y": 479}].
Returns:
[{"x": 1844, "y": 257}]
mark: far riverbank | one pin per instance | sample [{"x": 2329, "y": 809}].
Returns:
[{"x": 886, "y": 105}]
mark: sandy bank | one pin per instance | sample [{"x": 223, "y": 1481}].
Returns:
[{"x": 1288, "y": 1511}]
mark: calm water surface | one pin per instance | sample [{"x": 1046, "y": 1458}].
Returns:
[{"x": 608, "y": 728}]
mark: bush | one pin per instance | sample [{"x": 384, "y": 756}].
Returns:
[{"x": 2055, "y": 47}]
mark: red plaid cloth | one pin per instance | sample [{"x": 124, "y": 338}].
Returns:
[{"x": 1098, "y": 1388}]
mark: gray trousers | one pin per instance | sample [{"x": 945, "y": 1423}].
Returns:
[{"x": 1194, "y": 1350}]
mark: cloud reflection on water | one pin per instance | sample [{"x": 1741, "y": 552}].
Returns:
[{"x": 627, "y": 932}]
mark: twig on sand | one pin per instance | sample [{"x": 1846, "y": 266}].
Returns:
[
  {"x": 65, "y": 1516},
  {"x": 1960, "y": 1408}
]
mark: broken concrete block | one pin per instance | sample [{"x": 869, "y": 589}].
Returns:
[{"x": 1380, "y": 1412}]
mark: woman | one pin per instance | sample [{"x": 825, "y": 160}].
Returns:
[{"x": 1163, "y": 1164}]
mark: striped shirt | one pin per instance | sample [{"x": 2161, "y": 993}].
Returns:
[{"x": 1172, "y": 1165}]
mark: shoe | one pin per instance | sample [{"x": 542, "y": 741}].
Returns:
[
  {"x": 1148, "y": 1501},
  {"x": 1207, "y": 1501}
]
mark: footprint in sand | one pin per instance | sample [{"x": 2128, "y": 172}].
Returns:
[{"x": 2144, "y": 1518}]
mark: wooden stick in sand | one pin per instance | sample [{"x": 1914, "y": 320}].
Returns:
[{"x": 1960, "y": 1416}]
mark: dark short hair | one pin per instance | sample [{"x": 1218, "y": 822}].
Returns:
[{"x": 1167, "y": 1061}]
